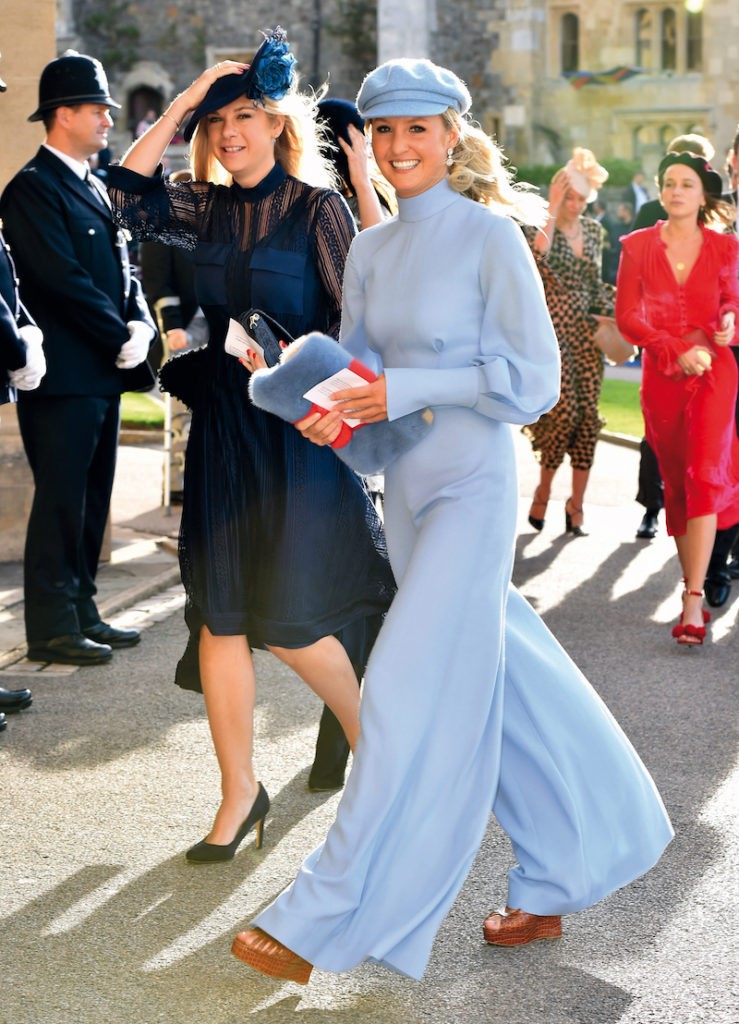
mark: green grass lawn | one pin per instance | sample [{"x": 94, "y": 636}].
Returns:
[
  {"x": 619, "y": 403},
  {"x": 141, "y": 411}
]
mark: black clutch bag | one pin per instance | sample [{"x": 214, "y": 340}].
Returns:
[{"x": 261, "y": 331}]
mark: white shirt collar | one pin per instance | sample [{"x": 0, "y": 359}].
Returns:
[{"x": 80, "y": 169}]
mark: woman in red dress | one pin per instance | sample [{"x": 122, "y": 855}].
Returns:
[{"x": 677, "y": 296}]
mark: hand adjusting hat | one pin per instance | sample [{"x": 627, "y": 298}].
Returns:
[
  {"x": 271, "y": 73},
  {"x": 411, "y": 88}
]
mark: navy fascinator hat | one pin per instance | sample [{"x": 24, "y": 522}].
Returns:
[
  {"x": 338, "y": 115},
  {"x": 270, "y": 74}
]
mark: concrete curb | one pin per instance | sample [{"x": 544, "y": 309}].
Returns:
[
  {"x": 169, "y": 577},
  {"x": 139, "y": 592},
  {"x": 146, "y": 436},
  {"x": 118, "y": 602},
  {"x": 141, "y": 435},
  {"x": 624, "y": 440}
]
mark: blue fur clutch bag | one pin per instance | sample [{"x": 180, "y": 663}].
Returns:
[{"x": 368, "y": 448}]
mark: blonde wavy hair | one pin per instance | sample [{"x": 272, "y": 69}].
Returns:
[
  {"x": 297, "y": 149},
  {"x": 480, "y": 171}
]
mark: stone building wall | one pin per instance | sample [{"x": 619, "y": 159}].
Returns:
[
  {"x": 152, "y": 51},
  {"x": 27, "y": 44},
  {"x": 544, "y": 116},
  {"x": 508, "y": 51}
]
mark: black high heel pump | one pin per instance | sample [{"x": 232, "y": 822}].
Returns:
[
  {"x": 538, "y": 524},
  {"x": 210, "y": 853},
  {"x": 571, "y": 527}
]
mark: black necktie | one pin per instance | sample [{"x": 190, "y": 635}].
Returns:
[{"x": 95, "y": 189}]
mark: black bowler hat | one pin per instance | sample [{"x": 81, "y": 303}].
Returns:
[
  {"x": 271, "y": 73},
  {"x": 70, "y": 80}
]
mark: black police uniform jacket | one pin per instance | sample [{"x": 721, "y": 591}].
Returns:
[
  {"x": 12, "y": 316},
  {"x": 75, "y": 279}
]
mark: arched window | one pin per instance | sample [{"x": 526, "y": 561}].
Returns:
[
  {"x": 144, "y": 105},
  {"x": 668, "y": 39},
  {"x": 643, "y": 38},
  {"x": 694, "y": 40},
  {"x": 569, "y": 42},
  {"x": 638, "y": 141},
  {"x": 668, "y": 132}
]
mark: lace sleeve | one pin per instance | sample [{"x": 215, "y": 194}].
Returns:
[
  {"x": 154, "y": 211},
  {"x": 334, "y": 230}
]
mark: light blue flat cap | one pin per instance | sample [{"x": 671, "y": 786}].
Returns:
[{"x": 411, "y": 88}]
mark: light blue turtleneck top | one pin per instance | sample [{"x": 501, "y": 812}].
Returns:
[{"x": 456, "y": 314}]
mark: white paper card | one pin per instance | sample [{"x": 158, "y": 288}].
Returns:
[
  {"x": 340, "y": 381},
  {"x": 238, "y": 341}
]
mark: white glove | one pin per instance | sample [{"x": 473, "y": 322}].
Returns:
[
  {"x": 29, "y": 376},
  {"x": 134, "y": 351}
]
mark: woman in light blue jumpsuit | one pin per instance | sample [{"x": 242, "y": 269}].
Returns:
[{"x": 470, "y": 704}]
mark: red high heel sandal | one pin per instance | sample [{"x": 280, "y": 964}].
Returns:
[
  {"x": 688, "y": 634},
  {"x": 706, "y": 614}
]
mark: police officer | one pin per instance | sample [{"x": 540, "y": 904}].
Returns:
[
  {"x": 76, "y": 282},
  {"x": 22, "y": 365}
]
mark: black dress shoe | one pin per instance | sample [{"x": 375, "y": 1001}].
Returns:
[
  {"x": 733, "y": 568},
  {"x": 325, "y": 784},
  {"x": 70, "y": 649},
  {"x": 3, "y": 723},
  {"x": 102, "y": 633},
  {"x": 648, "y": 526},
  {"x": 717, "y": 589},
  {"x": 14, "y": 700}
]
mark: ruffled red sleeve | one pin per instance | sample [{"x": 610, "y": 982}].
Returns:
[{"x": 631, "y": 309}]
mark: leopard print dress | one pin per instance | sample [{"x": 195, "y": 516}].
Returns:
[{"x": 574, "y": 289}]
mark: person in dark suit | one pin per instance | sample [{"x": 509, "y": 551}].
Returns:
[
  {"x": 22, "y": 365},
  {"x": 724, "y": 564},
  {"x": 76, "y": 283},
  {"x": 636, "y": 193}
]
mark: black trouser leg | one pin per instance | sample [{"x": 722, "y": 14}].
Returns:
[
  {"x": 332, "y": 749},
  {"x": 722, "y": 547},
  {"x": 650, "y": 493},
  {"x": 70, "y": 443},
  {"x": 97, "y": 506},
  {"x": 331, "y": 754}
]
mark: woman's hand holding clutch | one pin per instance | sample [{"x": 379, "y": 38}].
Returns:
[
  {"x": 320, "y": 428},
  {"x": 367, "y": 403}
]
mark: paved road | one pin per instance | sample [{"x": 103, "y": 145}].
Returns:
[{"x": 110, "y": 776}]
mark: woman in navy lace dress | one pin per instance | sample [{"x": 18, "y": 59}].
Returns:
[{"x": 280, "y": 547}]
